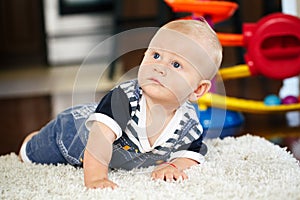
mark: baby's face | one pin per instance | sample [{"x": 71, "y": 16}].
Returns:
[
  {"x": 167, "y": 77},
  {"x": 174, "y": 65}
]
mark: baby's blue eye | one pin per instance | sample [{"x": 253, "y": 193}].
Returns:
[
  {"x": 176, "y": 65},
  {"x": 156, "y": 56}
]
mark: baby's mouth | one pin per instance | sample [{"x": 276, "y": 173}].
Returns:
[{"x": 156, "y": 81}]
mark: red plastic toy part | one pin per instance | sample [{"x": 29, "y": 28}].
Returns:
[
  {"x": 217, "y": 10},
  {"x": 231, "y": 39},
  {"x": 273, "y": 46}
]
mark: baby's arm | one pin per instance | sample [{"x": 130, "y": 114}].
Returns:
[
  {"x": 173, "y": 170},
  {"x": 97, "y": 157}
]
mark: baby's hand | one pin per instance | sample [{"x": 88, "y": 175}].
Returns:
[
  {"x": 168, "y": 172},
  {"x": 102, "y": 183}
]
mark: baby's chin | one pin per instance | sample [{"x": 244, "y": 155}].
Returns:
[{"x": 162, "y": 94}]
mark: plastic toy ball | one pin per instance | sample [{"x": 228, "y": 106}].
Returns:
[
  {"x": 272, "y": 100},
  {"x": 289, "y": 100}
]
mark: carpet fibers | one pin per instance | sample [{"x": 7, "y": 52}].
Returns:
[{"x": 246, "y": 167}]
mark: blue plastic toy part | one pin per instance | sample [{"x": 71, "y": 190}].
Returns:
[
  {"x": 218, "y": 122},
  {"x": 272, "y": 100}
]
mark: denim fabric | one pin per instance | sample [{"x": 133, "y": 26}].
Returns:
[{"x": 63, "y": 139}]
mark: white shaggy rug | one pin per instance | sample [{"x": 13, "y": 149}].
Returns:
[{"x": 246, "y": 167}]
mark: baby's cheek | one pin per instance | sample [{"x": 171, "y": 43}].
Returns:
[{"x": 179, "y": 86}]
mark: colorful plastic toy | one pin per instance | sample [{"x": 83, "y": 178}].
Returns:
[
  {"x": 273, "y": 46},
  {"x": 217, "y": 10},
  {"x": 242, "y": 105},
  {"x": 273, "y": 52},
  {"x": 272, "y": 100},
  {"x": 218, "y": 125},
  {"x": 290, "y": 100}
]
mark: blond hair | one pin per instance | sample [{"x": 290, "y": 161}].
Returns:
[{"x": 202, "y": 33}]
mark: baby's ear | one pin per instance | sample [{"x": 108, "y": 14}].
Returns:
[{"x": 203, "y": 88}]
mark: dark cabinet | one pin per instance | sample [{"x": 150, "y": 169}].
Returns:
[
  {"x": 130, "y": 14},
  {"x": 21, "y": 33},
  {"x": 21, "y": 116}
]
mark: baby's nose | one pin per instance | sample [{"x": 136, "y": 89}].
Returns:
[{"x": 161, "y": 70}]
